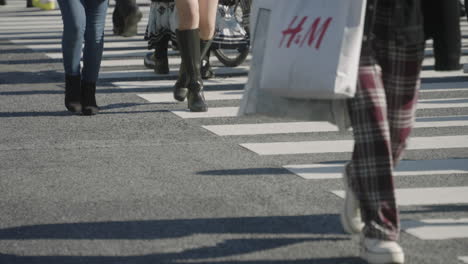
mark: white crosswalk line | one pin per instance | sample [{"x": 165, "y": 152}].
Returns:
[
  {"x": 436, "y": 229},
  {"x": 463, "y": 259},
  {"x": 212, "y": 112},
  {"x": 209, "y": 96},
  {"x": 443, "y": 103},
  {"x": 423, "y": 104},
  {"x": 324, "y": 171},
  {"x": 158, "y": 84},
  {"x": 58, "y": 46},
  {"x": 174, "y": 71},
  {"x": 344, "y": 146},
  {"x": 311, "y": 127},
  {"x": 427, "y": 196}
]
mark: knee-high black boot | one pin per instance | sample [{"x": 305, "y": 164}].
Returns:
[
  {"x": 161, "y": 61},
  {"x": 189, "y": 46},
  {"x": 88, "y": 98},
  {"x": 205, "y": 70},
  {"x": 73, "y": 93}
]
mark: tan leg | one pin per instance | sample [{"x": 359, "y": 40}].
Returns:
[
  {"x": 208, "y": 10},
  {"x": 188, "y": 13}
]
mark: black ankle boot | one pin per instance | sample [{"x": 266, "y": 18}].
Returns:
[
  {"x": 189, "y": 46},
  {"x": 161, "y": 62},
  {"x": 29, "y": 3},
  {"x": 88, "y": 98},
  {"x": 205, "y": 70},
  {"x": 3, "y": 2},
  {"x": 73, "y": 93}
]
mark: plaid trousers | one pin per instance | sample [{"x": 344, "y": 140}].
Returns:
[{"x": 382, "y": 115}]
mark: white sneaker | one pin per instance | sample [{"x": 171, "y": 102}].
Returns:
[
  {"x": 351, "y": 213},
  {"x": 376, "y": 251}
]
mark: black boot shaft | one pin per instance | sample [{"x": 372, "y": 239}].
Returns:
[
  {"x": 189, "y": 47},
  {"x": 73, "y": 93},
  {"x": 88, "y": 98}
]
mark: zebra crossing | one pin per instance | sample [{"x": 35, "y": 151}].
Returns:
[{"x": 41, "y": 33}]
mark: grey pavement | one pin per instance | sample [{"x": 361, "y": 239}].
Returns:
[{"x": 138, "y": 184}]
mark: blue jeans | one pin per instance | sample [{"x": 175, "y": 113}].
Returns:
[{"x": 83, "y": 21}]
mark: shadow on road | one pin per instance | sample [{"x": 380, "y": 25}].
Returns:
[{"x": 288, "y": 230}]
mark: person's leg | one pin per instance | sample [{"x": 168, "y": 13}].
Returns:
[
  {"x": 208, "y": 10},
  {"x": 401, "y": 76},
  {"x": 117, "y": 19},
  {"x": 130, "y": 15},
  {"x": 370, "y": 172},
  {"x": 188, "y": 38},
  {"x": 92, "y": 53},
  {"x": 74, "y": 23}
]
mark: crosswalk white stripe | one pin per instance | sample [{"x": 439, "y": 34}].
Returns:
[
  {"x": 463, "y": 259},
  {"x": 435, "y": 74},
  {"x": 212, "y": 112},
  {"x": 311, "y": 127},
  {"x": 112, "y": 53},
  {"x": 443, "y": 103},
  {"x": 436, "y": 229},
  {"x": 209, "y": 96},
  {"x": 324, "y": 171},
  {"x": 174, "y": 71},
  {"x": 55, "y": 35},
  {"x": 345, "y": 146},
  {"x": 58, "y": 46},
  {"x": 423, "y": 104},
  {"x": 427, "y": 196},
  {"x": 50, "y": 25},
  {"x": 170, "y": 83}
]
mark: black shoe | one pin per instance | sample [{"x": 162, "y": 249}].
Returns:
[
  {"x": 205, "y": 69},
  {"x": 148, "y": 60},
  {"x": 88, "y": 98},
  {"x": 3, "y": 2},
  {"x": 130, "y": 27},
  {"x": 29, "y": 3},
  {"x": 189, "y": 46},
  {"x": 73, "y": 93}
]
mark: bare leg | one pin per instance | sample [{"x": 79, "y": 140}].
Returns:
[
  {"x": 208, "y": 10},
  {"x": 188, "y": 13}
]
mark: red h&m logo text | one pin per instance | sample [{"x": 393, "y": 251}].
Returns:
[{"x": 294, "y": 34}]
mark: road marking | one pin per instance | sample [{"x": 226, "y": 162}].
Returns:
[
  {"x": 425, "y": 104},
  {"x": 271, "y": 128},
  {"x": 444, "y": 87},
  {"x": 121, "y": 44},
  {"x": 443, "y": 103},
  {"x": 436, "y": 229},
  {"x": 427, "y": 196},
  {"x": 313, "y": 127},
  {"x": 212, "y": 112},
  {"x": 344, "y": 146},
  {"x": 432, "y": 73},
  {"x": 463, "y": 259},
  {"x": 174, "y": 71},
  {"x": 170, "y": 83},
  {"x": 322, "y": 171},
  {"x": 209, "y": 96},
  {"x": 111, "y": 54}
]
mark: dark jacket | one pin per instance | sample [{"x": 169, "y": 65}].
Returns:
[
  {"x": 419, "y": 20},
  {"x": 442, "y": 24}
]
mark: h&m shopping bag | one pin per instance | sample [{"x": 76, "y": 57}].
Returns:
[
  {"x": 313, "y": 48},
  {"x": 257, "y": 101}
]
